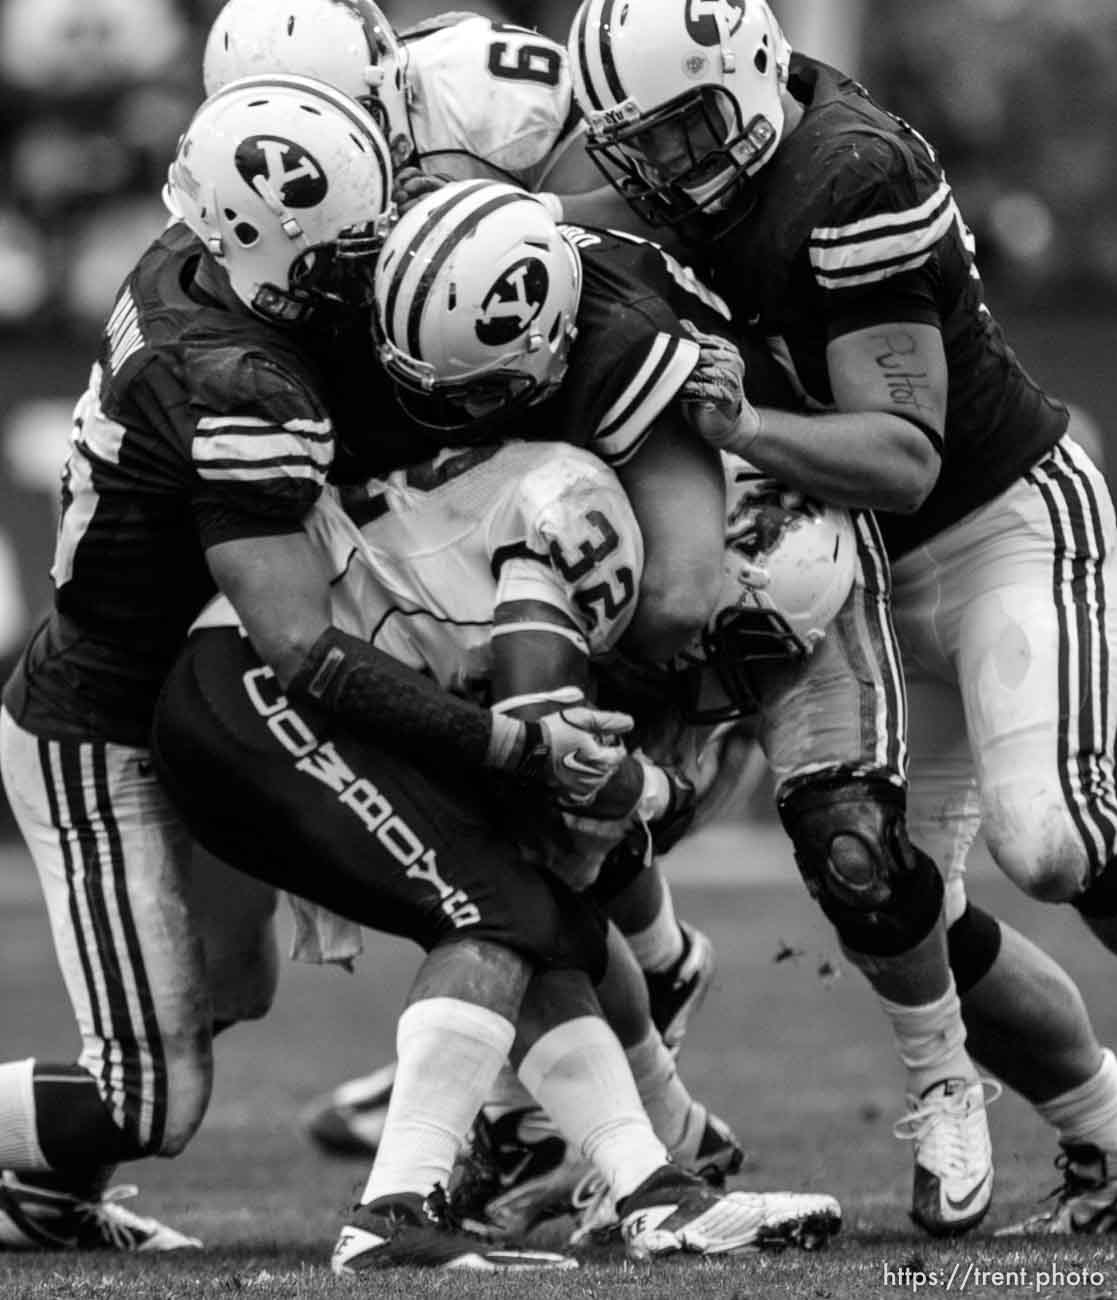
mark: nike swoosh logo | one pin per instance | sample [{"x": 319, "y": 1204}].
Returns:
[
  {"x": 968, "y": 1199},
  {"x": 507, "y": 1178}
]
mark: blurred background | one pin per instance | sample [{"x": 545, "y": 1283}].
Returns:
[{"x": 1020, "y": 97}]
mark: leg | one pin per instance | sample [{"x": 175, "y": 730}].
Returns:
[
  {"x": 834, "y": 731},
  {"x": 677, "y": 488},
  {"x": 113, "y": 861}
]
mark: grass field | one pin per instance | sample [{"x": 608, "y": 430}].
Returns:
[{"x": 794, "y": 1058}]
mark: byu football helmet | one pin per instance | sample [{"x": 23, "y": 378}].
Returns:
[
  {"x": 682, "y": 98},
  {"x": 287, "y": 182},
  {"x": 349, "y": 44},
  {"x": 477, "y": 290},
  {"x": 790, "y": 564}
]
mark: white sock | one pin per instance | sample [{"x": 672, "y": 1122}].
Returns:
[
  {"x": 663, "y": 1094},
  {"x": 660, "y": 945},
  {"x": 449, "y": 1055},
  {"x": 19, "y": 1136},
  {"x": 931, "y": 1040},
  {"x": 578, "y": 1074},
  {"x": 507, "y": 1094},
  {"x": 1088, "y": 1112}
]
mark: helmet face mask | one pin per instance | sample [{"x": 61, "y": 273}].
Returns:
[
  {"x": 477, "y": 292},
  {"x": 790, "y": 564},
  {"x": 682, "y": 100},
  {"x": 286, "y": 181}
]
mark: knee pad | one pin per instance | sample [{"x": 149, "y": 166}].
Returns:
[
  {"x": 882, "y": 894},
  {"x": 1099, "y": 898},
  {"x": 974, "y": 942}
]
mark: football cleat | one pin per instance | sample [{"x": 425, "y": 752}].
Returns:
[
  {"x": 952, "y": 1185},
  {"x": 673, "y": 1211},
  {"x": 406, "y": 1231},
  {"x": 349, "y": 1120},
  {"x": 515, "y": 1171},
  {"x": 1086, "y": 1203},
  {"x": 716, "y": 1156},
  {"x": 33, "y": 1217},
  {"x": 676, "y": 993}
]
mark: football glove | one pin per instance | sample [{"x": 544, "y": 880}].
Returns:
[
  {"x": 713, "y": 397},
  {"x": 576, "y": 751}
]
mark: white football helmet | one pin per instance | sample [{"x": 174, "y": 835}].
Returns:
[
  {"x": 477, "y": 290},
  {"x": 287, "y": 182},
  {"x": 682, "y": 98},
  {"x": 790, "y": 564},
  {"x": 349, "y": 44}
]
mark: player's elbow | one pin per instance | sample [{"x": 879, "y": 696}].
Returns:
[
  {"x": 285, "y": 648},
  {"x": 914, "y": 471}
]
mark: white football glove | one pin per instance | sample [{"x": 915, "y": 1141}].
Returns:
[
  {"x": 583, "y": 750},
  {"x": 713, "y": 397}
]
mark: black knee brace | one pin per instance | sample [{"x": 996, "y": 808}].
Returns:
[
  {"x": 1099, "y": 898},
  {"x": 76, "y": 1130},
  {"x": 882, "y": 894},
  {"x": 974, "y": 942}
]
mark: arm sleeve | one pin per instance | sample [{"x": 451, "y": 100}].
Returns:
[
  {"x": 874, "y": 254},
  {"x": 261, "y": 448}
]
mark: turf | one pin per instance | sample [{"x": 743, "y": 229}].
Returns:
[{"x": 790, "y": 1049}]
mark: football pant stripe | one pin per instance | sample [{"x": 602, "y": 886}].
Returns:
[
  {"x": 1076, "y": 684},
  {"x": 407, "y": 255},
  {"x": 453, "y": 238},
  {"x": 116, "y": 1030},
  {"x": 1093, "y": 772},
  {"x": 888, "y": 694},
  {"x": 150, "y": 1063},
  {"x": 50, "y": 764}
]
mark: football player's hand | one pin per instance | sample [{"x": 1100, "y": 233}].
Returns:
[
  {"x": 412, "y": 184},
  {"x": 583, "y": 748},
  {"x": 713, "y": 397}
]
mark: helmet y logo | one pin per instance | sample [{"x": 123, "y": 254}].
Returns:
[
  {"x": 513, "y": 302},
  {"x": 293, "y": 174},
  {"x": 702, "y": 16}
]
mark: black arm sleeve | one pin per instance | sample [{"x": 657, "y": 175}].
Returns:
[{"x": 396, "y": 706}]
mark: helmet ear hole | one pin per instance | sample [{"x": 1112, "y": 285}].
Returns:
[
  {"x": 761, "y": 61},
  {"x": 246, "y": 233}
]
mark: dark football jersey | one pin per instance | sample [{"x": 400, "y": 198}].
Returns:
[
  {"x": 853, "y": 224},
  {"x": 201, "y": 424},
  {"x": 632, "y": 355}
]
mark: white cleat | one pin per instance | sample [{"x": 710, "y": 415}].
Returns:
[
  {"x": 40, "y": 1218},
  {"x": 672, "y": 1211},
  {"x": 1084, "y": 1206},
  {"x": 952, "y": 1186}
]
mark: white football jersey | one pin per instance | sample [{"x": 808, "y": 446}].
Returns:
[
  {"x": 487, "y": 93},
  {"x": 423, "y": 564}
]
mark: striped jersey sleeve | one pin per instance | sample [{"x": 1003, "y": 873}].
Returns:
[
  {"x": 880, "y": 236},
  {"x": 261, "y": 446},
  {"x": 651, "y": 373}
]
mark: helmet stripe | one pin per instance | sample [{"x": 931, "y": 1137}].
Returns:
[
  {"x": 583, "y": 59},
  {"x": 607, "y": 61},
  {"x": 462, "y": 231},
  {"x": 403, "y": 262}
]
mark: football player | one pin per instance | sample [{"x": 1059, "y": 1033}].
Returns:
[
  {"x": 832, "y": 220},
  {"x": 202, "y": 441},
  {"x": 500, "y": 570},
  {"x": 462, "y": 97},
  {"x": 832, "y": 725}
]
